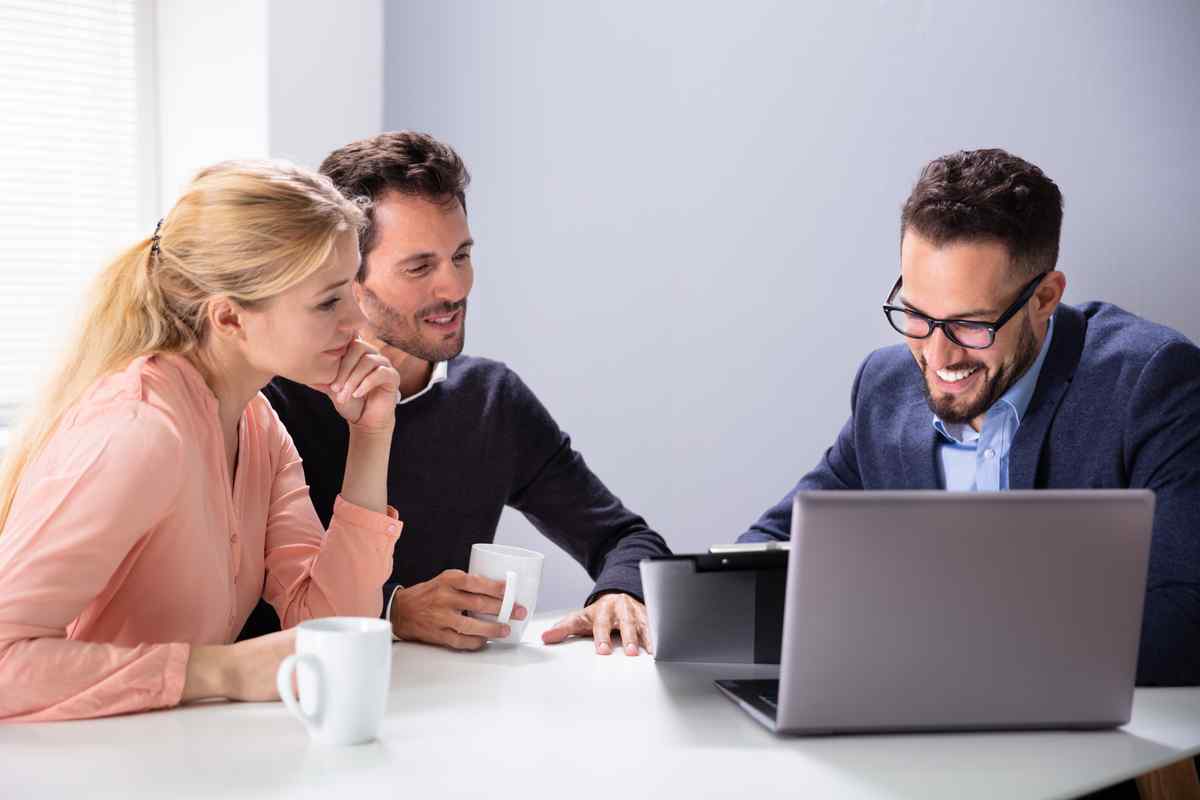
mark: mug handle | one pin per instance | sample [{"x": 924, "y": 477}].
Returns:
[
  {"x": 283, "y": 682},
  {"x": 510, "y": 596}
]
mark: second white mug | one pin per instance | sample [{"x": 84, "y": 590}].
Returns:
[
  {"x": 521, "y": 572},
  {"x": 343, "y": 666}
]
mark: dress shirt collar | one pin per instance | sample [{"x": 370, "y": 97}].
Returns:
[
  {"x": 1016, "y": 398},
  {"x": 440, "y": 370}
]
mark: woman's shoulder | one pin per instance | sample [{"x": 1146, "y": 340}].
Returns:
[
  {"x": 156, "y": 399},
  {"x": 124, "y": 417}
]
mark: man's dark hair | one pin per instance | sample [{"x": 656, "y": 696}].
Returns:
[
  {"x": 406, "y": 162},
  {"x": 988, "y": 195}
]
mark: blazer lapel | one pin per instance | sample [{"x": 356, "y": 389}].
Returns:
[
  {"x": 918, "y": 448},
  {"x": 1057, "y": 371}
]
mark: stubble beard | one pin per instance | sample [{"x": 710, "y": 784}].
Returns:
[
  {"x": 950, "y": 409},
  {"x": 395, "y": 330}
]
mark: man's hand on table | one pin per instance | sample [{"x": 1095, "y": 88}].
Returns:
[
  {"x": 433, "y": 611},
  {"x": 610, "y": 612}
]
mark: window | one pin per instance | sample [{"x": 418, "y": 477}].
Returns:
[{"x": 77, "y": 158}]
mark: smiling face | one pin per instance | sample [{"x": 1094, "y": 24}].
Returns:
[
  {"x": 971, "y": 281},
  {"x": 303, "y": 333},
  {"x": 418, "y": 276}
]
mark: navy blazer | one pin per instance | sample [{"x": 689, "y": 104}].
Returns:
[{"x": 1117, "y": 405}]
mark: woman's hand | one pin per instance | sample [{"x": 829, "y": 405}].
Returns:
[
  {"x": 364, "y": 391},
  {"x": 242, "y": 671}
]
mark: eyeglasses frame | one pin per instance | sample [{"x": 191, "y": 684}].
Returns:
[{"x": 934, "y": 323}]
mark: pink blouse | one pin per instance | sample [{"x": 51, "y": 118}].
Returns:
[{"x": 125, "y": 546}]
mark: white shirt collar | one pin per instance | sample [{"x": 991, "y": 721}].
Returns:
[{"x": 440, "y": 369}]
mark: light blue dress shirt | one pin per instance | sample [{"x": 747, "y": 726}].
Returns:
[{"x": 977, "y": 461}]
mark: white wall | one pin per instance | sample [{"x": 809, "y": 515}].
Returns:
[
  {"x": 264, "y": 78},
  {"x": 212, "y": 87},
  {"x": 325, "y": 76},
  {"x": 687, "y": 214}
]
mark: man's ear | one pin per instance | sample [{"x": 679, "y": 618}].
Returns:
[
  {"x": 1048, "y": 295},
  {"x": 226, "y": 318}
]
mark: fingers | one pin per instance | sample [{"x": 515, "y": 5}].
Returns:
[
  {"x": 349, "y": 361},
  {"x": 482, "y": 587},
  {"x": 475, "y": 584},
  {"x": 474, "y": 603},
  {"x": 380, "y": 377},
  {"x": 628, "y": 627},
  {"x": 369, "y": 364},
  {"x": 576, "y": 624},
  {"x": 476, "y": 628},
  {"x": 602, "y": 626},
  {"x": 458, "y": 641},
  {"x": 643, "y": 626}
]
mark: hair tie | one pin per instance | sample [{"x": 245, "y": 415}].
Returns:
[{"x": 154, "y": 240}]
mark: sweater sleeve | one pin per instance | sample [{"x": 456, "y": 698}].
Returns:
[
  {"x": 567, "y": 503},
  {"x": 312, "y": 572},
  {"x": 82, "y": 514}
]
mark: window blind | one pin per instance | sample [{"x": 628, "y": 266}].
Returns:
[{"x": 70, "y": 171}]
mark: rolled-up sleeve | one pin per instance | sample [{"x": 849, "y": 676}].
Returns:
[{"x": 312, "y": 572}]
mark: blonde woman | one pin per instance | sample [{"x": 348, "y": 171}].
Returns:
[{"x": 154, "y": 496}]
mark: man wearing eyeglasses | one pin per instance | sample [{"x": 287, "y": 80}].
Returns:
[{"x": 1002, "y": 386}]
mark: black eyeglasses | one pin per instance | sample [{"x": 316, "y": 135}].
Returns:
[{"x": 965, "y": 333}]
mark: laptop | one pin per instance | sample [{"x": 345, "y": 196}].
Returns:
[{"x": 919, "y": 611}]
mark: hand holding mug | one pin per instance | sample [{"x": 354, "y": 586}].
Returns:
[
  {"x": 435, "y": 611},
  {"x": 519, "y": 571}
]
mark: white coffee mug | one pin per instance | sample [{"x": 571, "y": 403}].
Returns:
[
  {"x": 521, "y": 571},
  {"x": 343, "y": 666}
]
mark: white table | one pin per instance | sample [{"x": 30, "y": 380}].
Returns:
[{"x": 536, "y": 721}]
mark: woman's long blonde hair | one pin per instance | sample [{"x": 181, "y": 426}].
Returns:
[{"x": 246, "y": 230}]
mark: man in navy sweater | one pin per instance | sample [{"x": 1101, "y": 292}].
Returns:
[
  {"x": 470, "y": 437},
  {"x": 1002, "y": 387}
]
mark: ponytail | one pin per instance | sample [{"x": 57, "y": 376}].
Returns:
[{"x": 247, "y": 230}]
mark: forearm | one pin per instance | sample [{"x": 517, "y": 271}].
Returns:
[
  {"x": 207, "y": 674},
  {"x": 621, "y": 571},
  {"x": 365, "y": 481},
  {"x": 52, "y": 678}
]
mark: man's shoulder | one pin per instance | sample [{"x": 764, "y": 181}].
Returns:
[
  {"x": 485, "y": 377},
  {"x": 1115, "y": 335},
  {"x": 889, "y": 369},
  {"x": 476, "y": 371}
]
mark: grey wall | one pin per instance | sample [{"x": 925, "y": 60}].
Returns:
[{"x": 687, "y": 215}]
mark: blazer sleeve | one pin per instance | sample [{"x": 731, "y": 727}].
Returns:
[
  {"x": 837, "y": 470},
  {"x": 313, "y": 572},
  {"x": 568, "y": 504},
  {"x": 1162, "y": 452},
  {"x": 81, "y": 516}
]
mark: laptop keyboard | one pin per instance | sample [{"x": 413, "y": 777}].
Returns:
[{"x": 763, "y": 695}]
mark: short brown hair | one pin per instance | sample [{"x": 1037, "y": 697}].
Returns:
[
  {"x": 407, "y": 162},
  {"x": 979, "y": 195}
]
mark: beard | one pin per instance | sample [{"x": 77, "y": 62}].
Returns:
[
  {"x": 961, "y": 410},
  {"x": 404, "y": 333}
]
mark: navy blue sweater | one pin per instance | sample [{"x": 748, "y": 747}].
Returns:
[
  {"x": 472, "y": 444},
  {"x": 1117, "y": 405}
]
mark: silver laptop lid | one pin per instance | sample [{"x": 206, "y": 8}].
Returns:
[{"x": 948, "y": 610}]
